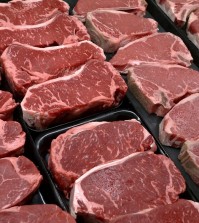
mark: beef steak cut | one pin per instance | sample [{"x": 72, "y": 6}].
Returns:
[
  {"x": 110, "y": 29},
  {"x": 130, "y": 185},
  {"x": 38, "y": 213},
  {"x": 189, "y": 157},
  {"x": 81, "y": 148},
  {"x": 178, "y": 10},
  {"x": 19, "y": 180},
  {"x": 25, "y": 65},
  {"x": 84, "y": 6},
  {"x": 164, "y": 48},
  {"x": 12, "y": 138},
  {"x": 159, "y": 87},
  {"x": 182, "y": 211},
  {"x": 193, "y": 27},
  {"x": 181, "y": 122},
  {"x": 30, "y": 12},
  {"x": 96, "y": 86},
  {"x": 59, "y": 30},
  {"x": 7, "y": 105}
]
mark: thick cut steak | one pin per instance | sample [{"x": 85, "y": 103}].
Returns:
[
  {"x": 30, "y": 12},
  {"x": 182, "y": 211},
  {"x": 7, "y": 105},
  {"x": 178, "y": 10},
  {"x": 38, "y": 213},
  {"x": 12, "y": 138},
  {"x": 59, "y": 30},
  {"x": 110, "y": 29},
  {"x": 84, "y": 6},
  {"x": 164, "y": 48},
  {"x": 96, "y": 86},
  {"x": 189, "y": 157},
  {"x": 19, "y": 180},
  {"x": 25, "y": 65},
  {"x": 84, "y": 147},
  {"x": 193, "y": 27},
  {"x": 181, "y": 122},
  {"x": 130, "y": 185},
  {"x": 159, "y": 87}
]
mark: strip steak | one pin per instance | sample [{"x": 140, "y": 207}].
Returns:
[
  {"x": 110, "y": 29},
  {"x": 163, "y": 48},
  {"x": 181, "y": 123},
  {"x": 96, "y": 86},
  {"x": 130, "y": 185},
  {"x": 25, "y": 66},
  {"x": 92, "y": 144}
]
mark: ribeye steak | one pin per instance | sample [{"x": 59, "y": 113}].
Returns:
[
  {"x": 81, "y": 148},
  {"x": 181, "y": 122},
  {"x": 130, "y": 185},
  {"x": 84, "y": 6},
  {"x": 158, "y": 87},
  {"x": 110, "y": 29},
  {"x": 19, "y": 180},
  {"x": 37, "y": 213},
  {"x": 189, "y": 158},
  {"x": 164, "y": 48},
  {"x": 25, "y": 65},
  {"x": 59, "y": 30},
  {"x": 30, "y": 12},
  {"x": 96, "y": 86}
]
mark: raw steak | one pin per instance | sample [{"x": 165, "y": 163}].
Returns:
[
  {"x": 30, "y": 12},
  {"x": 130, "y": 185},
  {"x": 96, "y": 86},
  {"x": 164, "y": 48},
  {"x": 189, "y": 157},
  {"x": 82, "y": 7},
  {"x": 19, "y": 180},
  {"x": 181, "y": 122},
  {"x": 12, "y": 138},
  {"x": 92, "y": 144},
  {"x": 182, "y": 211},
  {"x": 193, "y": 27},
  {"x": 46, "y": 213},
  {"x": 151, "y": 85},
  {"x": 25, "y": 65},
  {"x": 60, "y": 30},
  {"x": 7, "y": 105},
  {"x": 178, "y": 10},
  {"x": 110, "y": 29}
]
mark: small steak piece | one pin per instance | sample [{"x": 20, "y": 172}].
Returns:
[
  {"x": 25, "y": 65},
  {"x": 110, "y": 29},
  {"x": 30, "y": 12},
  {"x": 181, "y": 123},
  {"x": 96, "y": 86},
  {"x": 193, "y": 27},
  {"x": 19, "y": 180},
  {"x": 182, "y": 211},
  {"x": 7, "y": 105},
  {"x": 159, "y": 87},
  {"x": 82, "y": 7},
  {"x": 126, "y": 186},
  {"x": 164, "y": 48},
  {"x": 178, "y": 10},
  {"x": 38, "y": 213},
  {"x": 60, "y": 30},
  {"x": 189, "y": 157},
  {"x": 84, "y": 147},
  {"x": 12, "y": 138}
]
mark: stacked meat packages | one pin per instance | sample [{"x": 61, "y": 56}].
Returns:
[{"x": 56, "y": 65}]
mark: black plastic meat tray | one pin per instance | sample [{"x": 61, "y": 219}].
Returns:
[
  {"x": 169, "y": 26},
  {"x": 43, "y": 144}
]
